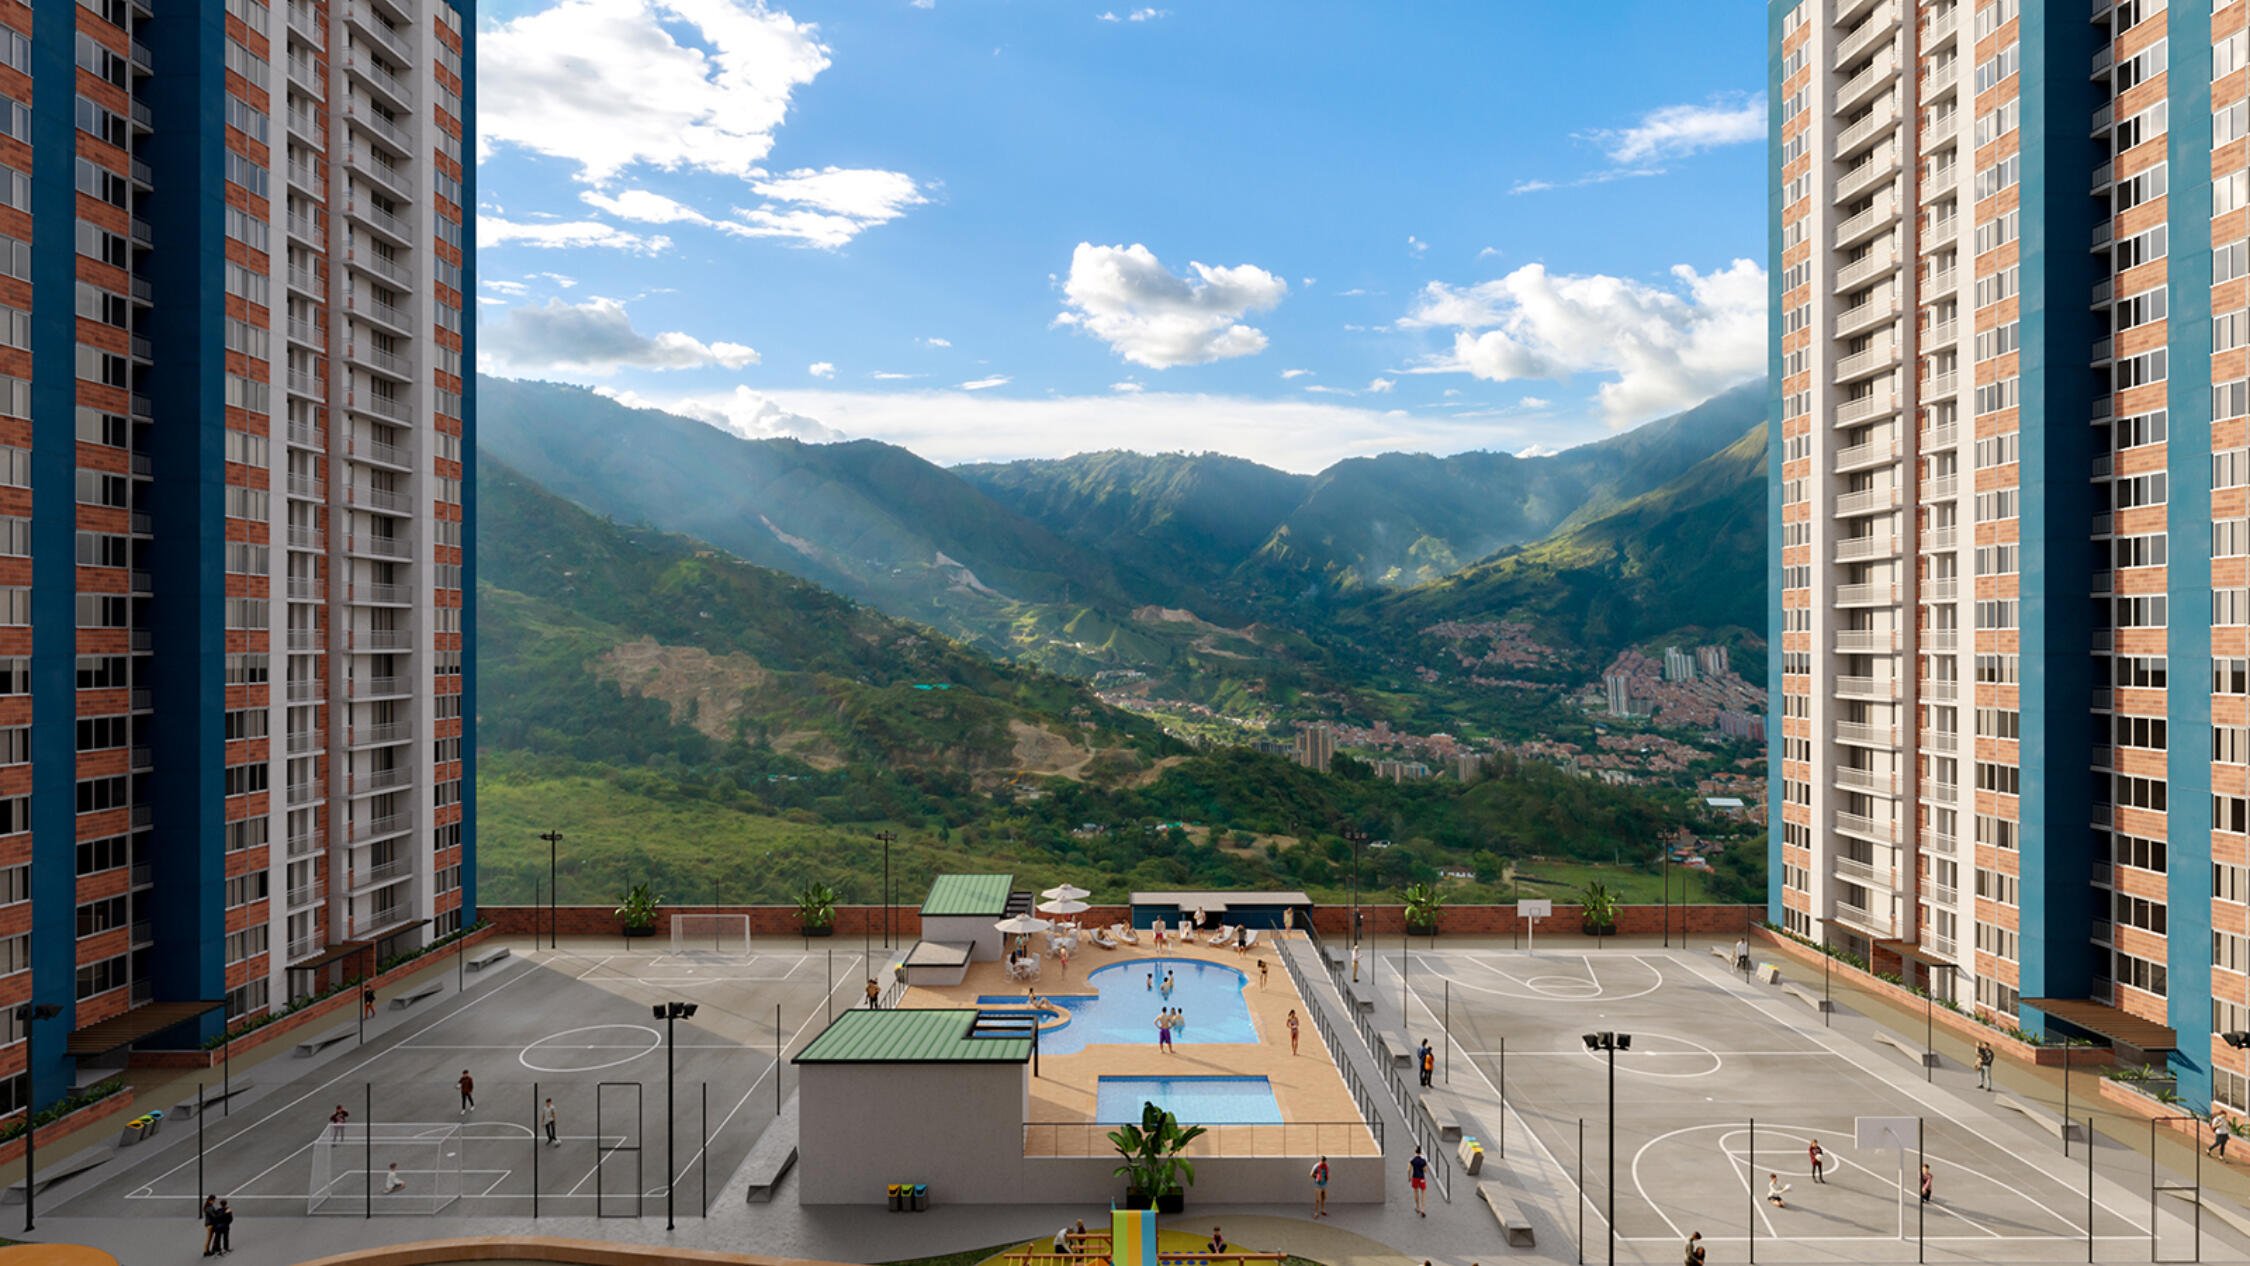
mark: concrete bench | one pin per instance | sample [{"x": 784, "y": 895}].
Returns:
[
  {"x": 431, "y": 989},
  {"x": 212, "y": 1098},
  {"x": 1809, "y": 998},
  {"x": 50, "y": 1174},
  {"x": 1335, "y": 956},
  {"x": 1397, "y": 1047},
  {"x": 773, "y": 1155},
  {"x": 1444, "y": 1113},
  {"x": 1723, "y": 954},
  {"x": 315, "y": 1045},
  {"x": 1361, "y": 994},
  {"x": 2052, "y": 1122},
  {"x": 487, "y": 957},
  {"x": 1514, "y": 1226},
  {"x": 1927, "y": 1059}
]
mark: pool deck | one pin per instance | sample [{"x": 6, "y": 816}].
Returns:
[{"x": 1315, "y": 1105}]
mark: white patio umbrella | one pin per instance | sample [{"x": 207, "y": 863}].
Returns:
[
  {"x": 1065, "y": 892},
  {"x": 1063, "y": 907},
  {"x": 1022, "y": 925}
]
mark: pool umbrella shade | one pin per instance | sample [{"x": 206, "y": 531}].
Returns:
[
  {"x": 1066, "y": 892},
  {"x": 1063, "y": 907},
  {"x": 1021, "y": 925}
]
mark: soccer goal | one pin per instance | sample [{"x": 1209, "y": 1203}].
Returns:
[
  {"x": 710, "y": 933},
  {"x": 403, "y": 1168}
]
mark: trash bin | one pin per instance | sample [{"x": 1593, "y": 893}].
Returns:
[
  {"x": 921, "y": 1196},
  {"x": 898, "y": 1197}
]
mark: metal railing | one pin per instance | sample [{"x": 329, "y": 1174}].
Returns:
[
  {"x": 1289, "y": 1138},
  {"x": 1370, "y": 1111},
  {"x": 1418, "y": 1123}
]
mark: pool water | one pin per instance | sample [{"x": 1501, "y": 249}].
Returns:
[
  {"x": 1194, "y": 1100},
  {"x": 1124, "y": 1008}
]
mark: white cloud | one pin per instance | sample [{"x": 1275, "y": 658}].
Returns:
[
  {"x": 825, "y": 208},
  {"x": 1489, "y": 252},
  {"x": 493, "y": 231},
  {"x": 557, "y": 278},
  {"x": 888, "y": 375},
  {"x": 1533, "y": 402},
  {"x": 741, "y": 411},
  {"x": 922, "y": 4},
  {"x": 504, "y": 287},
  {"x": 1318, "y": 390},
  {"x": 1416, "y": 246},
  {"x": 821, "y": 369},
  {"x": 1124, "y": 296},
  {"x": 595, "y": 338},
  {"x": 1662, "y": 348},
  {"x": 986, "y": 384},
  {"x": 1294, "y": 373},
  {"x": 1127, "y": 388},
  {"x": 1380, "y": 385},
  {"x": 1136, "y": 15},
  {"x": 937, "y": 342},
  {"x": 1537, "y": 450},
  {"x": 605, "y": 84},
  {"x": 1676, "y": 131},
  {"x": 1591, "y": 178},
  {"x": 947, "y": 426}
]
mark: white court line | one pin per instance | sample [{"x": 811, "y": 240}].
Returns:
[
  {"x": 596, "y": 967},
  {"x": 565, "y": 1046},
  {"x": 1581, "y": 1054}
]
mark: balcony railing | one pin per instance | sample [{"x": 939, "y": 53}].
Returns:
[
  {"x": 1861, "y": 872},
  {"x": 308, "y": 487},
  {"x": 308, "y": 385},
  {"x": 384, "y": 732},
  {"x": 377, "y": 828},
  {"x": 380, "y": 687},
  {"x": 1867, "y": 780},
  {"x": 1866, "y": 735},
  {"x": 1869, "y": 828},
  {"x": 390, "y": 40},
  {"x": 1938, "y": 740},
  {"x": 362, "y": 208}
]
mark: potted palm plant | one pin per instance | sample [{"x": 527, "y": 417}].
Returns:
[
  {"x": 1155, "y": 1172},
  {"x": 1423, "y": 901},
  {"x": 1597, "y": 909},
  {"x": 638, "y": 912},
  {"x": 816, "y": 910}
]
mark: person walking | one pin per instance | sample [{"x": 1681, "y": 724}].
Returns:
[
  {"x": 547, "y": 1121},
  {"x": 2221, "y": 1133},
  {"x": 224, "y": 1221},
  {"x": 1742, "y": 956},
  {"x": 1693, "y": 1255},
  {"x": 1775, "y": 1190},
  {"x": 336, "y": 1121},
  {"x": 1320, "y": 1188},
  {"x": 210, "y": 1225},
  {"x": 1355, "y": 963},
  {"x": 1062, "y": 960},
  {"x": 1292, "y": 1030},
  {"x": 468, "y": 1087},
  {"x": 1261, "y": 973},
  {"x": 1418, "y": 1177},
  {"x": 874, "y": 994},
  {"x": 1984, "y": 1065},
  {"x": 1426, "y": 1060},
  {"x": 1818, "y": 1157},
  {"x": 1927, "y": 1182}
]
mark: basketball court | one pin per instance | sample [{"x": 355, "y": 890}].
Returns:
[
  {"x": 573, "y": 1025},
  {"x": 1723, "y": 1091}
]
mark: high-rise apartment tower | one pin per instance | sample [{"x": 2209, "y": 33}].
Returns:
[
  {"x": 235, "y": 508},
  {"x": 2010, "y": 387}
]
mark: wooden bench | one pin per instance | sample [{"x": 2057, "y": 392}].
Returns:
[
  {"x": 429, "y": 989},
  {"x": 1398, "y": 1047},
  {"x": 1927, "y": 1059},
  {"x": 487, "y": 957},
  {"x": 1809, "y": 998},
  {"x": 1444, "y": 1113},
  {"x": 315, "y": 1045},
  {"x": 49, "y": 1175},
  {"x": 1514, "y": 1227},
  {"x": 2052, "y": 1122}
]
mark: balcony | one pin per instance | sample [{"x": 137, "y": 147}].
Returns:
[
  {"x": 1941, "y": 29},
  {"x": 1859, "y": 735},
  {"x": 302, "y": 21},
  {"x": 305, "y": 947},
  {"x": 374, "y": 595},
  {"x": 306, "y": 844},
  {"x": 1876, "y": 125},
  {"x": 381, "y": 81},
  {"x": 1879, "y": 356},
  {"x": 1941, "y": 639},
  {"x": 389, "y": 40},
  {"x": 1866, "y": 780},
  {"x": 1867, "y": 828},
  {"x": 382, "y": 500},
  {"x": 1861, "y": 548},
  {"x": 306, "y": 74},
  {"x": 1939, "y": 943},
  {"x": 307, "y": 385},
  {"x": 1866, "y": 642},
  {"x": 384, "y": 641},
  {"x": 389, "y": 872},
  {"x": 1877, "y": 263},
  {"x": 1940, "y": 81},
  {"x": 1880, "y": 25},
  {"x": 371, "y": 262},
  {"x": 1860, "y": 872},
  {"x": 1942, "y": 281},
  {"x": 1942, "y": 488},
  {"x": 308, "y": 282},
  {"x": 1942, "y": 589},
  {"x": 304, "y": 639},
  {"x": 306, "y": 589},
  {"x": 1940, "y": 792},
  {"x": 1941, "y": 386},
  {"x": 389, "y": 408},
  {"x": 1873, "y": 689},
  {"x": 308, "y": 178},
  {"x": 373, "y": 310},
  {"x": 1866, "y": 408},
  {"x": 1872, "y": 595},
  {"x": 1941, "y": 231},
  {"x": 1863, "y": 85},
  {"x": 1865, "y": 316},
  {"x": 307, "y": 691},
  {"x": 379, "y": 734},
  {"x": 304, "y": 741},
  {"x": 377, "y": 453},
  {"x": 1876, "y": 168},
  {"x": 304, "y": 793},
  {"x": 1863, "y": 920},
  {"x": 306, "y": 895},
  {"x": 1865, "y": 224},
  {"x": 308, "y": 334},
  {"x": 377, "y": 828},
  {"x": 376, "y": 358},
  {"x": 1867, "y": 501},
  {"x": 1867, "y": 456},
  {"x": 358, "y": 206},
  {"x": 308, "y": 488},
  {"x": 1938, "y": 691},
  {"x": 1943, "y": 435},
  {"x": 363, "y": 115},
  {"x": 1938, "y": 740},
  {"x": 380, "y": 780},
  {"x": 382, "y": 174},
  {"x": 307, "y": 538},
  {"x": 1935, "y": 840}
]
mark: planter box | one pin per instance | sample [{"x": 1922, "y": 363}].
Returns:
[
  {"x": 2129, "y": 1096},
  {"x": 650, "y": 930},
  {"x": 825, "y": 929}
]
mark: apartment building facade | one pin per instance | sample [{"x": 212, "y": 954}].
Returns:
[
  {"x": 236, "y": 430},
  {"x": 2009, "y": 486}
]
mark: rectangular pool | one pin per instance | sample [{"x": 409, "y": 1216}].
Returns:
[{"x": 1194, "y": 1100}]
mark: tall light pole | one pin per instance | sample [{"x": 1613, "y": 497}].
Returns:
[
  {"x": 668, "y": 1012},
  {"x": 1929, "y": 1017},
  {"x": 554, "y": 840},
  {"x": 1613, "y": 1043},
  {"x": 28, "y": 1015},
  {"x": 1356, "y": 838},
  {"x": 889, "y": 838}
]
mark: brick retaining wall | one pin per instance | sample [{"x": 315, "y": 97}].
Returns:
[{"x": 53, "y": 1132}]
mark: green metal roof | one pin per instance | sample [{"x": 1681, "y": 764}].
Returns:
[
  {"x": 969, "y": 895},
  {"x": 910, "y": 1037}
]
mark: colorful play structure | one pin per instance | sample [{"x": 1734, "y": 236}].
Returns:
[{"x": 1131, "y": 1241}]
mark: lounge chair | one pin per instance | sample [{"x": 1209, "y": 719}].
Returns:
[
  {"x": 1126, "y": 935},
  {"x": 1220, "y": 937},
  {"x": 1102, "y": 941},
  {"x": 1250, "y": 940}
]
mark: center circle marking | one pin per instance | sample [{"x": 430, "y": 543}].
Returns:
[{"x": 558, "y": 1048}]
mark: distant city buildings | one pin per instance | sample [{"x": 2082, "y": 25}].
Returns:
[
  {"x": 1316, "y": 747},
  {"x": 1401, "y": 770},
  {"x": 1742, "y": 727},
  {"x": 1618, "y": 687},
  {"x": 1468, "y": 766},
  {"x": 1712, "y": 660},
  {"x": 1679, "y": 665}
]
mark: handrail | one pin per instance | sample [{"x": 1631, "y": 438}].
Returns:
[
  {"x": 1418, "y": 1123},
  {"x": 1297, "y": 1139},
  {"x": 1361, "y": 1097}
]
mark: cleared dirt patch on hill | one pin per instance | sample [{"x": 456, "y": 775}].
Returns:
[
  {"x": 704, "y": 691},
  {"x": 1042, "y": 751}
]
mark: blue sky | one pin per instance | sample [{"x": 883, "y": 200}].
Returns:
[{"x": 1296, "y": 232}]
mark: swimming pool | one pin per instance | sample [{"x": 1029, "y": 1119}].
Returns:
[
  {"x": 1124, "y": 1008},
  {"x": 1194, "y": 1100}
]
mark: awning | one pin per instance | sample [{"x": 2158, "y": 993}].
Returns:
[
  {"x": 1914, "y": 953},
  {"x": 334, "y": 953},
  {"x": 124, "y": 1030},
  {"x": 2099, "y": 1018}
]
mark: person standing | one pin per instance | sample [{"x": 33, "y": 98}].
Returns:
[
  {"x": 1164, "y": 1032},
  {"x": 1927, "y": 1182},
  {"x": 1426, "y": 1060},
  {"x": 1984, "y": 1065},
  {"x": 874, "y": 994},
  {"x": 1818, "y": 1157},
  {"x": 1320, "y": 1188},
  {"x": 468, "y": 1087},
  {"x": 367, "y": 1002},
  {"x": 336, "y": 1121},
  {"x": 2221, "y": 1132},
  {"x": 1693, "y": 1256},
  {"x": 1418, "y": 1177},
  {"x": 1355, "y": 963},
  {"x": 224, "y": 1220},
  {"x": 210, "y": 1225},
  {"x": 1742, "y": 955},
  {"x": 547, "y": 1121},
  {"x": 1292, "y": 1030},
  {"x": 1062, "y": 960},
  {"x": 1261, "y": 973}
]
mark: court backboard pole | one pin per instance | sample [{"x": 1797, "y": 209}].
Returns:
[
  {"x": 1582, "y": 1193},
  {"x": 1750, "y": 1189},
  {"x": 1449, "y": 1030},
  {"x": 199, "y": 1191},
  {"x": 539, "y": 1121},
  {"x": 2089, "y": 1189},
  {"x": 368, "y": 1106},
  {"x": 777, "y": 1059},
  {"x": 1921, "y": 1206},
  {"x": 703, "y": 1150}
]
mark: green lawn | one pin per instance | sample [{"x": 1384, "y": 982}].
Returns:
[{"x": 1561, "y": 880}]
